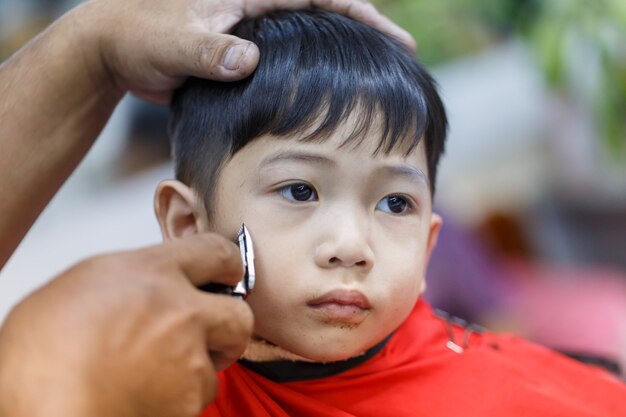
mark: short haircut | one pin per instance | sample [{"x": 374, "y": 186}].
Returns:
[{"x": 315, "y": 69}]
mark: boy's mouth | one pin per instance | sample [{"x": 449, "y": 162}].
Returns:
[{"x": 341, "y": 306}]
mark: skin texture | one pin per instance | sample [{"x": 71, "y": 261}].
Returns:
[
  {"x": 124, "y": 334},
  {"x": 344, "y": 238}
]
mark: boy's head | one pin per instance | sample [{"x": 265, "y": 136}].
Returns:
[{"x": 328, "y": 153}]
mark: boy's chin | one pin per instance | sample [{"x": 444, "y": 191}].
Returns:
[{"x": 260, "y": 350}]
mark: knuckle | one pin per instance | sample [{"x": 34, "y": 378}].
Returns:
[
  {"x": 219, "y": 322},
  {"x": 323, "y": 4},
  {"x": 370, "y": 13},
  {"x": 355, "y": 10},
  {"x": 207, "y": 54},
  {"x": 236, "y": 322},
  {"x": 223, "y": 251},
  {"x": 369, "y": 8}
]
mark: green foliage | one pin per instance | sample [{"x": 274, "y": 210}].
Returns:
[
  {"x": 563, "y": 33},
  {"x": 590, "y": 33},
  {"x": 447, "y": 29}
]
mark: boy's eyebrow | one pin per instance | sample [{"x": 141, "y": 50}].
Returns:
[
  {"x": 408, "y": 172},
  {"x": 300, "y": 156}
]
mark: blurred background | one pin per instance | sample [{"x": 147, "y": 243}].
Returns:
[{"x": 532, "y": 187}]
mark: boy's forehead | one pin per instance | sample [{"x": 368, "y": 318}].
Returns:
[
  {"x": 269, "y": 152},
  {"x": 272, "y": 149},
  {"x": 358, "y": 133}
]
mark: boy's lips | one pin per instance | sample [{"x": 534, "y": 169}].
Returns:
[{"x": 347, "y": 307}]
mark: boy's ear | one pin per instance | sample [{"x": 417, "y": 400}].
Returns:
[
  {"x": 433, "y": 235},
  {"x": 179, "y": 210}
]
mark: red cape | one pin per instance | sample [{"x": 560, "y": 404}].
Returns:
[{"x": 415, "y": 374}]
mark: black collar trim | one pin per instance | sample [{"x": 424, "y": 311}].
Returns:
[{"x": 290, "y": 371}]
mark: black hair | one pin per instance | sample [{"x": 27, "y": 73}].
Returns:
[{"x": 315, "y": 69}]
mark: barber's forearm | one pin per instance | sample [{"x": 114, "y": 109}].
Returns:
[{"x": 55, "y": 97}]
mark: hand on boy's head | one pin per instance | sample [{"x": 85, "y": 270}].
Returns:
[
  {"x": 150, "y": 47},
  {"x": 139, "y": 333}
]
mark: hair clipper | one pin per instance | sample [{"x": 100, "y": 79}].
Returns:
[{"x": 246, "y": 284}]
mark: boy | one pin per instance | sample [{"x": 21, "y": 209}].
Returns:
[{"x": 329, "y": 154}]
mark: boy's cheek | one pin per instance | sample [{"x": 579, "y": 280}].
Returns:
[
  {"x": 275, "y": 271},
  {"x": 407, "y": 289}
]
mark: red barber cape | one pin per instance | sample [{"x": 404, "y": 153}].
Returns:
[{"x": 419, "y": 372}]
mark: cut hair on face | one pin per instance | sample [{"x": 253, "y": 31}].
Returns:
[{"x": 316, "y": 69}]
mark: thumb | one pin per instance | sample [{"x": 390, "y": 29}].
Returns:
[
  {"x": 202, "y": 258},
  {"x": 217, "y": 57}
]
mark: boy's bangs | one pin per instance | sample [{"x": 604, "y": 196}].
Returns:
[
  {"x": 399, "y": 127},
  {"x": 312, "y": 79}
]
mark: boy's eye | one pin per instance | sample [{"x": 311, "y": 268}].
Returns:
[
  {"x": 298, "y": 192},
  {"x": 394, "y": 204}
]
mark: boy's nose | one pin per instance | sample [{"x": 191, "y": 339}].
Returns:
[{"x": 347, "y": 246}]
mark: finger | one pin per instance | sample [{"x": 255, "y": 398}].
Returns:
[
  {"x": 255, "y": 8},
  {"x": 215, "y": 56},
  {"x": 386, "y": 25},
  {"x": 360, "y": 10},
  {"x": 204, "y": 258},
  {"x": 228, "y": 325},
  {"x": 366, "y": 12}
]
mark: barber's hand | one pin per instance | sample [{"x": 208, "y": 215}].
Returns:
[
  {"x": 149, "y": 46},
  {"x": 126, "y": 334}
]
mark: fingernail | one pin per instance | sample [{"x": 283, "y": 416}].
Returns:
[{"x": 233, "y": 58}]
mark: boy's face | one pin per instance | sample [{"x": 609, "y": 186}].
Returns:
[{"x": 341, "y": 239}]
